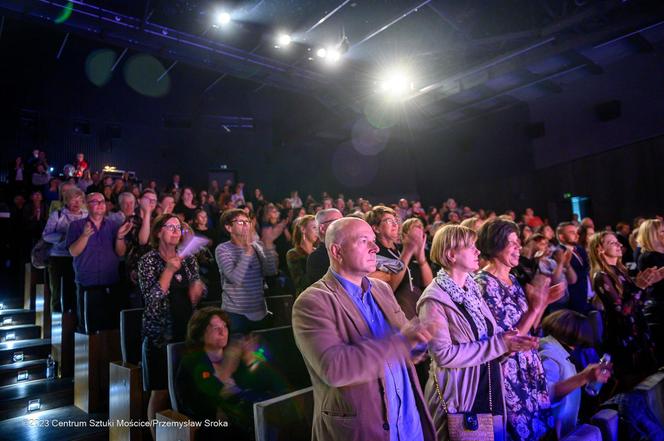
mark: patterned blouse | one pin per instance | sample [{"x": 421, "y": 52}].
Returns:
[
  {"x": 527, "y": 401},
  {"x": 157, "y": 318}
]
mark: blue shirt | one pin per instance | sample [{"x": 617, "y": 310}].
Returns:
[
  {"x": 402, "y": 414},
  {"x": 98, "y": 264}
]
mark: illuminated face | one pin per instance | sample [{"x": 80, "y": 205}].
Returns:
[
  {"x": 569, "y": 235},
  {"x": 97, "y": 205},
  {"x": 388, "y": 228},
  {"x": 216, "y": 334},
  {"x": 467, "y": 259},
  {"x": 201, "y": 218},
  {"x": 357, "y": 251},
  {"x": 167, "y": 205},
  {"x": 610, "y": 246},
  {"x": 310, "y": 231},
  {"x": 509, "y": 255},
  {"x": 171, "y": 232},
  {"x": 239, "y": 226}
]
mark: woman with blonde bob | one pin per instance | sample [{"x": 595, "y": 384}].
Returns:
[
  {"x": 651, "y": 240},
  {"x": 467, "y": 344}
]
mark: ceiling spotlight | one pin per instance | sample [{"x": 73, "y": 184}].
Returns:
[
  {"x": 333, "y": 55},
  {"x": 283, "y": 40},
  {"x": 322, "y": 52},
  {"x": 395, "y": 85},
  {"x": 222, "y": 18}
]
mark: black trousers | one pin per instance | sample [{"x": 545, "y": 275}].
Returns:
[
  {"x": 61, "y": 281},
  {"x": 98, "y": 307}
]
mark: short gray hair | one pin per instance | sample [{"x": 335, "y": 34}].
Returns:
[
  {"x": 124, "y": 195},
  {"x": 323, "y": 214}
]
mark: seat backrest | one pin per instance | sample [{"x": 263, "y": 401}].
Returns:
[
  {"x": 595, "y": 318},
  {"x": 282, "y": 309},
  {"x": 286, "y": 417},
  {"x": 174, "y": 353},
  {"x": 283, "y": 357},
  {"x": 130, "y": 335}
]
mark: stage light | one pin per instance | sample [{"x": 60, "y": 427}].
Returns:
[
  {"x": 321, "y": 53},
  {"x": 396, "y": 84},
  {"x": 222, "y": 18},
  {"x": 333, "y": 55},
  {"x": 283, "y": 40}
]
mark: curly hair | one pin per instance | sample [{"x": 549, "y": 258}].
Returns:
[{"x": 492, "y": 236}]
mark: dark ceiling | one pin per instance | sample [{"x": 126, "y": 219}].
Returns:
[{"x": 466, "y": 58}]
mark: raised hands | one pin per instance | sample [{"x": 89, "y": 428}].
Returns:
[
  {"x": 649, "y": 276},
  {"x": 124, "y": 229},
  {"x": 519, "y": 343}
]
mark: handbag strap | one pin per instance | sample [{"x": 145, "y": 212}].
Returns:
[{"x": 443, "y": 404}]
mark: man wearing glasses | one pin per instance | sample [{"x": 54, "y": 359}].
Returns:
[
  {"x": 96, "y": 245},
  {"x": 243, "y": 263}
]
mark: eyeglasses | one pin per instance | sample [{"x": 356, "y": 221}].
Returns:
[
  {"x": 96, "y": 202},
  {"x": 241, "y": 222},
  {"x": 172, "y": 228}
]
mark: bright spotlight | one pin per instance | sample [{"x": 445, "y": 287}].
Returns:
[
  {"x": 222, "y": 18},
  {"x": 322, "y": 52},
  {"x": 333, "y": 56},
  {"x": 283, "y": 40},
  {"x": 395, "y": 85}
]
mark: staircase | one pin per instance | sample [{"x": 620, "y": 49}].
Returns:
[{"x": 27, "y": 396}]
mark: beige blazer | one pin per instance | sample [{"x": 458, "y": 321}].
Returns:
[
  {"x": 456, "y": 356},
  {"x": 347, "y": 365}
]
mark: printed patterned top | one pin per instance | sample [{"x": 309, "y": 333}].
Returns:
[{"x": 529, "y": 416}]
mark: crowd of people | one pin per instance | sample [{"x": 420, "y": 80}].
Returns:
[{"x": 495, "y": 315}]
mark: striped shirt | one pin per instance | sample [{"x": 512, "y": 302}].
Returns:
[{"x": 242, "y": 278}]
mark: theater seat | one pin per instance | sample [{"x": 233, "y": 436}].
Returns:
[
  {"x": 278, "y": 347},
  {"x": 174, "y": 353},
  {"x": 607, "y": 422},
  {"x": 130, "y": 335},
  {"x": 585, "y": 432},
  {"x": 286, "y": 417},
  {"x": 653, "y": 387}
]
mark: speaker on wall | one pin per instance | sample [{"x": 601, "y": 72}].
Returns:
[{"x": 608, "y": 110}]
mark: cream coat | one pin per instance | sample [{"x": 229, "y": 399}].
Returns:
[{"x": 457, "y": 355}]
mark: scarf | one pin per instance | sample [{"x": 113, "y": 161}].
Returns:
[{"x": 470, "y": 298}]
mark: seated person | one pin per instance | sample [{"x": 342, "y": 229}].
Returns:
[
  {"x": 565, "y": 331},
  {"x": 218, "y": 380}
]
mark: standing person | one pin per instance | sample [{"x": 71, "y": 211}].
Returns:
[
  {"x": 60, "y": 261},
  {"x": 651, "y": 242},
  {"x": 171, "y": 290},
  {"x": 81, "y": 165},
  {"x": 347, "y": 327},
  {"x": 187, "y": 206},
  {"x": 305, "y": 239},
  {"x": 579, "y": 292},
  {"x": 468, "y": 344},
  {"x": 318, "y": 262},
  {"x": 243, "y": 265},
  {"x": 404, "y": 268},
  {"x": 625, "y": 331},
  {"x": 528, "y": 406},
  {"x": 97, "y": 245}
]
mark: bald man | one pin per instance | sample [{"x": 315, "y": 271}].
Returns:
[{"x": 357, "y": 344}]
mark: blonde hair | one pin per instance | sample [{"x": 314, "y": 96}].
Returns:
[
  {"x": 72, "y": 193},
  {"x": 471, "y": 223},
  {"x": 450, "y": 237},
  {"x": 648, "y": 237},
  {"x": 298, "y": 225},
  {"x": 409, "y": 224}
]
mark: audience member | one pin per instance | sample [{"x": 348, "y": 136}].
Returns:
[
  {"x": 526, "y": 397},
  {"x": 626, "y": 336},
  {"x": 651, "y": 242},
  {"x": 318, "y": 261},
  {"x": 243, "y": 264},
  {"x": 80, "y": 165},
  {"x": 60, "y": 261},
  {"x": 186, "y": 207},
  {"x": 346, "y": 327},
  {"x": 404, "y": 268},
  {"x": 96, "y": 245},
  {"x": 579, "y": 292},
  {"x": 565, "y": 330},
  {"x": 171, "y": 290},
  {"x": 467, "y": 344},
  {"x": 305, "y": 240}
]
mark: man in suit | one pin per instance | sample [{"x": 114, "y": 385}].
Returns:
[
  {"x": 568, "y": 238},
  {"x": 357, "y": 344}
]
